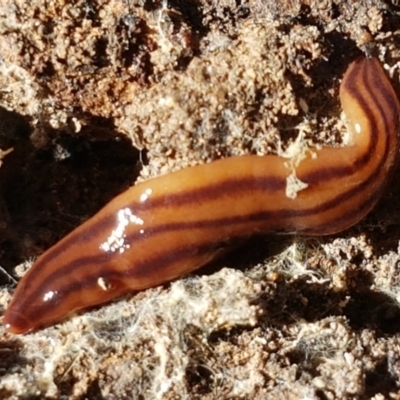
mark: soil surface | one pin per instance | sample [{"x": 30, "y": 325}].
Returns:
[{"x": 97, "y": 95}]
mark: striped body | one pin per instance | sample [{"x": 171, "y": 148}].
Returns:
[{"x": 166, "y": 227}]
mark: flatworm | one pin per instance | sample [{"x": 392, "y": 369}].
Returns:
[{"x": 166, "y": 227}]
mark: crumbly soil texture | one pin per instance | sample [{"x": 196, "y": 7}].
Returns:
[{"x": 97, "y": 95}]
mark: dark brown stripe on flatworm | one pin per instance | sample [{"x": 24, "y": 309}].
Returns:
[
  {"x": 145, "y": 267},
  {"x": 136, "y": 238}
]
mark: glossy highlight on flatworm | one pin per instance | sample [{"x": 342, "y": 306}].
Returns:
[{"x": 166, "y": 227}]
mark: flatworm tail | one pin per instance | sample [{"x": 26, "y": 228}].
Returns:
[{"x": 168, "y": 226}]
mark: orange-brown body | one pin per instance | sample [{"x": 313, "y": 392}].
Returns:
[{"x": 166, "y": 227}]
